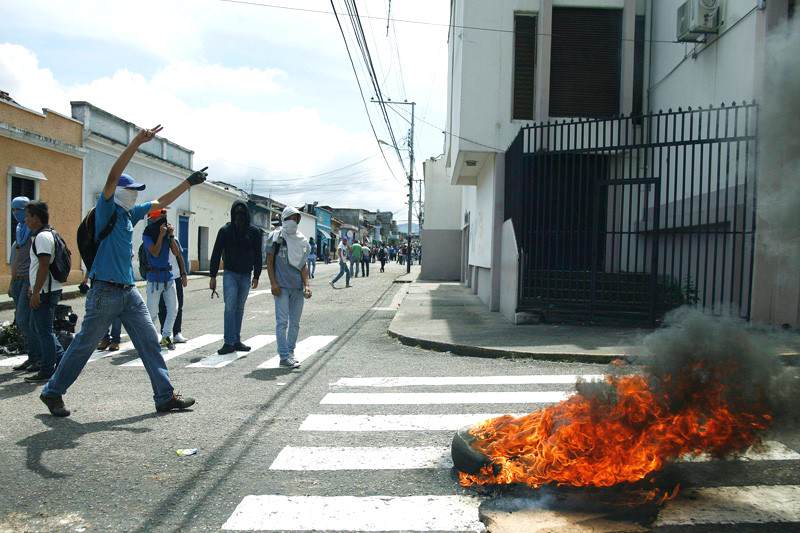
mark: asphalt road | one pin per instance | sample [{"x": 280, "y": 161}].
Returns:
[{"x": 276, "y": 451}]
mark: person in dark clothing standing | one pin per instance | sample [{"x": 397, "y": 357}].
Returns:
[{"x": 238, "y": 244}]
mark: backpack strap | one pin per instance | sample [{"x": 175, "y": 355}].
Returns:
[{"x": 109, "y": 227}]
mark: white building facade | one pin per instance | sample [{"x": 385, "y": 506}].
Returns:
[{"x": 513, "y": 63}]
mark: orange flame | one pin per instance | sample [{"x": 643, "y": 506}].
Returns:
[{"x": 620, "y": 437}]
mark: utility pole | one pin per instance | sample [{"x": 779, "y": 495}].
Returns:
[{"x": 410, "y": 173}]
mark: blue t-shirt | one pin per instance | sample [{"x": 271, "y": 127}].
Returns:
[
  {"x": 113, "y": 261},
  {"x": 158, "y": 267}
]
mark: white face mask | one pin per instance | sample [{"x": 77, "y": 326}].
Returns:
[
  {"x": 125, "y": 198},
  {"x": 290, "y": 226}
]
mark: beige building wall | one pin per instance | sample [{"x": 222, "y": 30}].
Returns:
[{"x": 47, "y": 149}]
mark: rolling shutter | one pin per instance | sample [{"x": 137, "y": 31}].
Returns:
[
  {"x": 524, "y": 65},
  {"x": 585, "y": 66}
]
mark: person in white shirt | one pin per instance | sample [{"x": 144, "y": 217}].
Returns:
[
  {"x": 45, "y": 291},
  {"x": 341, "y": 252}
]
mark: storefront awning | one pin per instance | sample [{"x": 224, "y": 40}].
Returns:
[{"x": 324, "y": 233}]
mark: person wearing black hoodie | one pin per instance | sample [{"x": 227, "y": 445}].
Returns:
[{"x": 238, "y": 244}]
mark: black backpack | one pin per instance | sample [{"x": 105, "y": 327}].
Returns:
[
  {"x": 87, "y": 243},
  {"x": 62, "y": 257},
  {"x": 144, "y": 263}
]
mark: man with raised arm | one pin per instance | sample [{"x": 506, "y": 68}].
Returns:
[{"x": 113, "y": 293}]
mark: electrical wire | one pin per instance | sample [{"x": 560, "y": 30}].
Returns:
[
  {"x": 411, "y": 21},
  {"x": 361, "y": 92},
  {"x": 447, "y": 132}
]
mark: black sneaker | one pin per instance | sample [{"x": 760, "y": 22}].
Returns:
[
  {"x": 226, "y": 348},
  {"x": 239, "y": 347},
  {"x": 23, "y": 366},
  {"x": 289, "y": 362},
  {"x": 176, "y": 402},
  {"x": 55, "y": 404},
  {"x": 33, "y": 368},
  {"x": 39, "y": 377}
]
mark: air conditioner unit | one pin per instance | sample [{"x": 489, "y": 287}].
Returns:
[{"x": 697, "y": 18}]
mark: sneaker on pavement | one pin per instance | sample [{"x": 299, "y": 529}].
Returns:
[
  {"x": 331, "y": 284},
  {"x": 226, "y": 349},
  {"x": 34, "y": 368},
  {"x": 176, "y": 402},
  {"x": 39, "y": 377},
  {"x": 289, "y": 362},
  {"x": 239, "y": 347},
  {"x": 179, "y": 339},
  {"x": 25, "y": 365},
  {"x": 103, "y": 344},
  {"x": 167, "y": 343},
  {"x": 113, "y": 347},
  {"x": 55, "y": 404}
]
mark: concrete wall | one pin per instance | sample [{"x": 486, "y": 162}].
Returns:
[
  {"x": 49, "y": 145},
  {"x": 509, "y": 272},
  {"x": 308, "y": 225},
  {"x": 687, "y": 74},
  {"x": 441, "y": 238}
]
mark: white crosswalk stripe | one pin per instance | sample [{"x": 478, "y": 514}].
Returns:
[
  {"x": 351, "y": 513},
  {"x": 352, "y": 423},
  {"x": 219, "y": 361},
  {"x": 126, "y": 348},
  {"x": 435, "y": 381},
  {"x": 304, "y": 349},
  {"x": 14, "y": 360},
  {"x": 715, "y": 505},
  {"x": 193, "y": 344},
  {"x": 419, "y": 398}
]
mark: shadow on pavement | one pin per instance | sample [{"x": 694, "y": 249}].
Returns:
[
  {"x": 64, "y": 433},
  {"x": 269, "y": 374},
  {"x": 17, "y": 387}
]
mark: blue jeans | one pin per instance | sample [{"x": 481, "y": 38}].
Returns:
[
  {"x": 342, "y": 271},
  {"x": 312, "y": 265},
  {"x": 235, "y": 289},
  {"x": 49, "y": 348},
  {"x": 22, "y": 316},
  {"x": 288, "y": 309},
  {"x": 104, "y": 303},
  {"x": 354, "y": 267}
]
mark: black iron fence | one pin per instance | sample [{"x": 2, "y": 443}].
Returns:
[{"x": 626, "y": 218}]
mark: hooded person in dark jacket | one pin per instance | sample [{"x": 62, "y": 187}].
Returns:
[{"x": 238, "y": 244}]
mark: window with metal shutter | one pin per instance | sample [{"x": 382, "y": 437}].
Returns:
[
  {"x": 524, "y": 65},
  {"x": 585, "y": 63}
]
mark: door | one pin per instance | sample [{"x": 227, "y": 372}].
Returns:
[
  {"x": 183, "y": 238},
  {"x": 202, "y": 248}
]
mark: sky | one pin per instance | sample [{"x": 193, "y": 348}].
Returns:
[{"x": 259, "y": 93}]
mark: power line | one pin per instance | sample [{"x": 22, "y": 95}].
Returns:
[
  {"x": 360, "y": 91},
  {"x": 450, "y": 133},
  {"x": 411, "y": 21}
]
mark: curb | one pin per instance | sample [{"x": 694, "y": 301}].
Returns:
[
  {"x": 495, "y": 353},
  {"x": 789, "y": 358}
]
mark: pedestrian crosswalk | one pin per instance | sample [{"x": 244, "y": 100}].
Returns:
[
  {"x": 206, "y": 346},
  {"x": 362, "y": 439}
]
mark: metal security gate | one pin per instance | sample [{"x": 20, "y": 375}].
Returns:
[{"x": 621, "y": 220}]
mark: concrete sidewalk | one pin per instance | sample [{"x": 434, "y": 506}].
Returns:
[
  {"x": 448, "y": 317},
  {"x": 68, "y": 292}
]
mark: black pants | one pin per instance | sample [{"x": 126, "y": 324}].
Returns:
[
  {"x": 365, "y": 267},
  {"x": 383, "y": 264},
  {"x": 162, "y": 309}
]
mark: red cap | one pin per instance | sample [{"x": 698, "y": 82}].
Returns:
[{"x": 157, "y": 213}]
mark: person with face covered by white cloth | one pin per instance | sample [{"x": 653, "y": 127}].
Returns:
[
  {"x": 113, "y": 294},
  {"x": 287, "y": 254}
]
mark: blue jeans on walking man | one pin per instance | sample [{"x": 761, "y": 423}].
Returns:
[
  {"x": 22, "y": 315},
  {"x": 235, "y": 288},
  {"x": 288, "y": 310},
  {"x": 342, "y": 271},
  {"x": 48, "y": 347},
  {"x": 104, "y": 303}
]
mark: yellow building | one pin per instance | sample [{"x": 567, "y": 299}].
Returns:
[{"x": 41, "y": 157}]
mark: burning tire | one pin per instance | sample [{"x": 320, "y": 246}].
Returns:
[{"x": 466, "y": 458}]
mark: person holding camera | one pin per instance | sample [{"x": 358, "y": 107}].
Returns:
[{"x": 158, "y": 241}]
